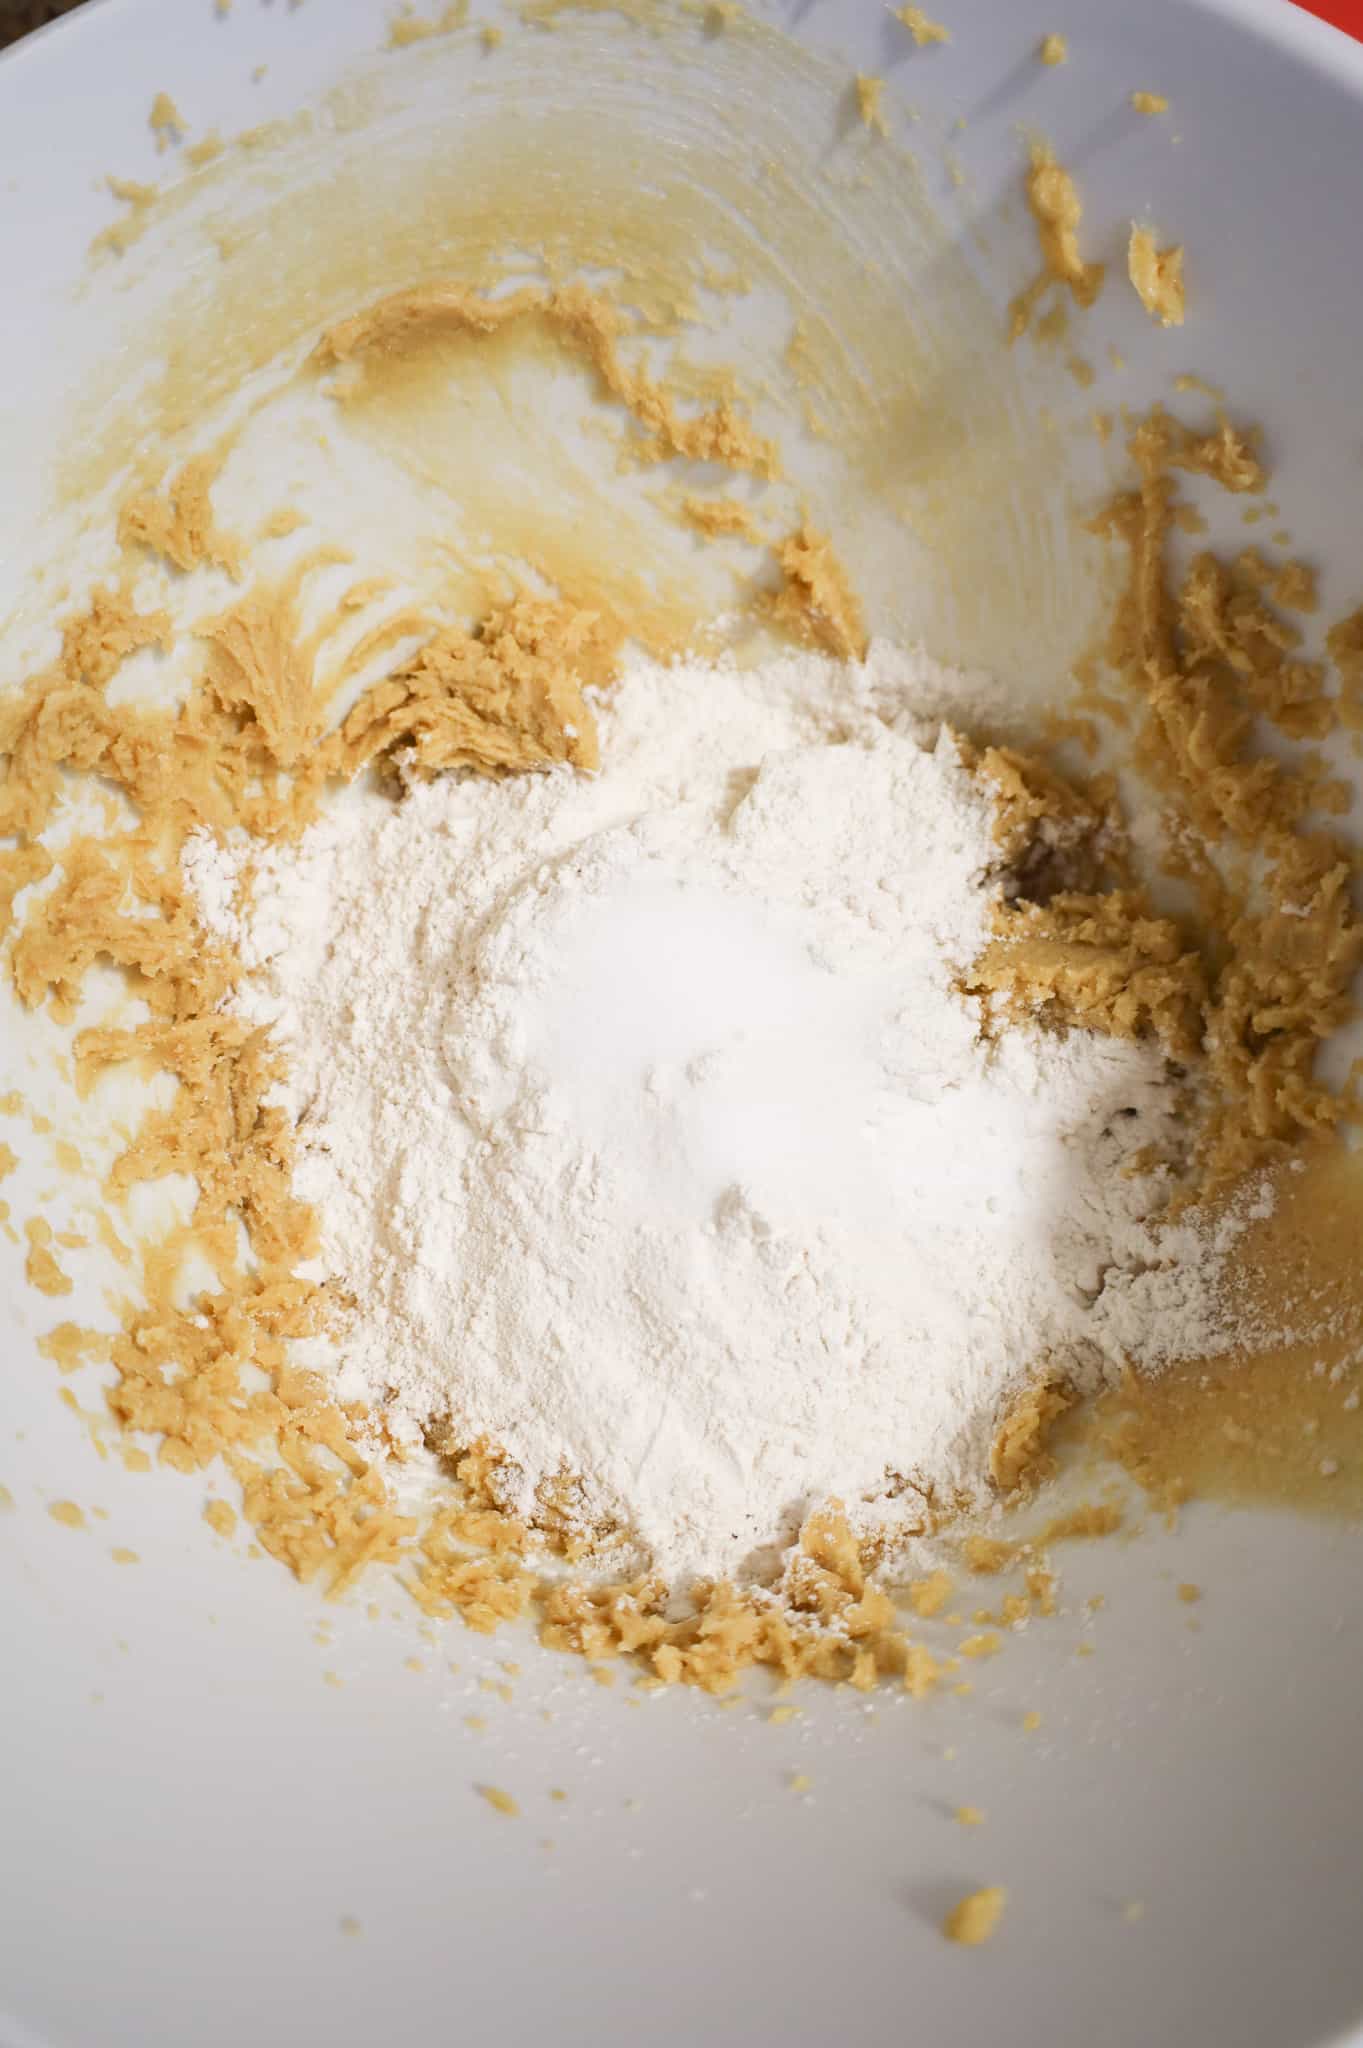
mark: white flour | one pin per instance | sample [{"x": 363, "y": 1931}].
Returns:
[{"x": 652, "y": 1139}]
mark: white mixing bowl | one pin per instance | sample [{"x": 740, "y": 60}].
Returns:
[{"x": 202, "y": 1841}]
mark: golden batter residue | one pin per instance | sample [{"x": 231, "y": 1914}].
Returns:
[
  {"x": 986, "y": 1555},
  {"x": 585, "y": 323},
  {"x": 923, "y": 31},
  {"x": 1054, "y": 50},
  {"x": 973, "y": 1919},
  {"x": 930, "y": 1596},
  {"x": 166, "y": 121},
  {"x": 715, "y": 517},
  {"x": 121, "y": 234},
  {"x": 410, "y": 27},
  {"x": 824, "y": 1619},
  {"x": 1057, "y": 211},
  {"x": 870, "y": 97},
  {"x": 1149, "y": 102},
  {"x": 1018, "y": 1454},
  {"x": 1157, "y": 275},
  {"x": 1102, "y": 961},
  {"x": 500, "y": 1801},
  {"x": 815, "y": 599},
  {"x": 1280, "y": 1419},
  {"x": 180, "y": 526},
  {"x": 70, "y": 1347},
  {"x": 718, "y": 15},
  {"x": 1344, "y": 645},
  {"x": 40, "y": 1268},
  {"x": 499, "y": 700},
  {"x": 1267, "y": 978}
]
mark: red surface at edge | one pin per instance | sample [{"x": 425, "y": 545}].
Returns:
[{"x": 1345, "y": 14}]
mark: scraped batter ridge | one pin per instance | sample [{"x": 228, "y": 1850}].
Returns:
[{"x": 588, "y": 324}]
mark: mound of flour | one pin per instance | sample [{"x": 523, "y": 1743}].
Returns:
[{"x": 652, "y": 1139}]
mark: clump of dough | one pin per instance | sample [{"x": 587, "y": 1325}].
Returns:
[
  {"x": 499, "y": 1800},
  {"x": 1205, "y": 657},
  {"x": 923, "y": 30},
  {"x": 1103, "y": 962},
  {"x": 1157, "y": 275},
  {"x": 40, "y": 1268},
  {"x": 119, "y": 236},
  {"x": 974, "y": 1918},
  {"x": 718, "y": 518},
  {"x": 816, "y": 599},
  {"x": 870, "y": 97},
  {"x": 166, "y": 121},
  {"x": 501, "y": 699},
  {"x": 1018, "y": 1457},
  {"x": 824, "y": 1619},
  {"x": 1057, "y": 211},
  {"x": 180, "y": 526}
]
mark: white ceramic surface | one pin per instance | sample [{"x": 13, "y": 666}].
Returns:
[{"x": 188, "y": 1810}]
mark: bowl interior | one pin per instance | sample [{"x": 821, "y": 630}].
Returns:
[{"x": 192, "y": 1795}]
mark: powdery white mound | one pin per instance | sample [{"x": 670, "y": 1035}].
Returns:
[{"x": 651, "y": 1135}]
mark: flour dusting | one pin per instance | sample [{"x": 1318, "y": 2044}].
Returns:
[{"x": 654, "y": 1143}]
